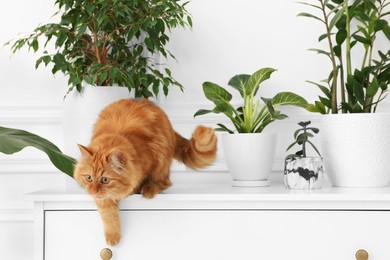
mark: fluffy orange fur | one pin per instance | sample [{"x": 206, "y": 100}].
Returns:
[{"x": 131, "y": 150}]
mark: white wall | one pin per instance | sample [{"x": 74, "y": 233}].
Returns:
[{"x": 229, "y": 37}]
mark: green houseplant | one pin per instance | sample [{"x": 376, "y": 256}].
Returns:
[
  {"x": 300, "y": 170},
  {"x": 15, "y": 140},
  {"x": 353, "y": 26},
  {"x": 106, "y": 43},
  {"x": 249, "y": 154},
  {"x": 98, "y": 44},
  {"x": 358, "y": 81}
]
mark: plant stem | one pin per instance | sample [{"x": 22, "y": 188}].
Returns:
[
  {"x": 348, "y": 38},
  {"x": 347, "y": 53},
  {"x": 333, "y": 59},
  {"x": 304, "y": 143}
]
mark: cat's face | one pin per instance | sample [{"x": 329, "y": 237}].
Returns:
[{"x": 107, "y": 175}]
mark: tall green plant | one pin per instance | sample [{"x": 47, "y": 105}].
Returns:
[
  {"x": 110, "y": 42},
  {"x": 352, "y": 25},
  {"x": 251, "y": 117}
]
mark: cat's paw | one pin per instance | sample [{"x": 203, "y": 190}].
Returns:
[
  {"x": 150, "y": 190},
  {"x": 112, "y": 238},
  {"x": 205, "y": 139}
]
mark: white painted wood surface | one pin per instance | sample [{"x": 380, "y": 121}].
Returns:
[{"x": 212, "y": 220}]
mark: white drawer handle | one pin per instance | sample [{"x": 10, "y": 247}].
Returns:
[
  {"x": 106, "y": 254},
  {"x": 361, "y": 254}
]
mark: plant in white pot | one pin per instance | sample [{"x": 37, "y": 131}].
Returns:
[
  {"x": 354, "y": 139},
  {"x": 106, "y": 49},
  {"x": 300, "y": 170},
  {"x": 248, "y": 151}
]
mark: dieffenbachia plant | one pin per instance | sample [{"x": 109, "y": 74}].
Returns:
[{"x": 255, "y": 114}]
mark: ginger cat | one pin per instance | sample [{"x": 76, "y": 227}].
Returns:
[{"x": 131, "y": 150}]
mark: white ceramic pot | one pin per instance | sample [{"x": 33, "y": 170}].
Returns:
[
  {"x": 356, "y": 149},
  {"x": 80, "y": 112},
  {"x": 249, "y": 157}
]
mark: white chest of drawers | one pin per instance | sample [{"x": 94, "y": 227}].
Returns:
[{"x": 207, "y": 220}]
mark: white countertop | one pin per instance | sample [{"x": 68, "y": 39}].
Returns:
[{"x": 214, "y": 191}]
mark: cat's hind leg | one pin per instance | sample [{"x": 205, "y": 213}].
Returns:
[{"x": 156, "y": 182}]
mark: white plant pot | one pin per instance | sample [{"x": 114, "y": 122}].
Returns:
[
  {"x": 249, "y": 157},
  {"x": 80, "y": 112},
  {"x": 356, "y": 149}
]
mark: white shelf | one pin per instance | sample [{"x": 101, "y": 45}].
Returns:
[{"x": 216, "y": 192}]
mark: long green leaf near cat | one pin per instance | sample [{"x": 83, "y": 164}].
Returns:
[{"x": 15, "y": 140}]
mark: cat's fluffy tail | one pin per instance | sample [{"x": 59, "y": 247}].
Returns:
[{"x": 198, "y": 152}]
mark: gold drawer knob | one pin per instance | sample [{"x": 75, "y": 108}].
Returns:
[
  {"x": 361, "y": 254},
  {"x": 106, "y": 254}
]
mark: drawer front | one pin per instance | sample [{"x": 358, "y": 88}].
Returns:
[{"x": 221, "y": 235}]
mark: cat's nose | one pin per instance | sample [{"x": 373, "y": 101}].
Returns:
[{"x": 93, "y": 190}]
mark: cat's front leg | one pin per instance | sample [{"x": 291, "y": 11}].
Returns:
[{"x": 109, "y": 212}]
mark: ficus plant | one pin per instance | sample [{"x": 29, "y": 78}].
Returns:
[
  {"x": 351, "y": 32},
  {"x": 15, "y": 140},
  {"x": 256, "y": 113},
  {"x": 302, "y": 136},
  {"x": 110, "y": 42}
]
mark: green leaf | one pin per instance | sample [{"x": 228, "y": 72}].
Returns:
[
  {"x": 189, "y": 20},
  {"x": 358, "y": 92},
  {"x": 314, "y": 147},
  {"x": 238, "y": 82},
  {"x": 319, "y": 51},
  {"x": 35, "y": 45},
  {"x": 15, "y": 140},
  {"x": 289, "y": 98},
  {"x": 324, "y": 89},
  {"x": 201, "y": 112},
  {"x": 253, "y": 83},
  {"x": 337, "y": 50},
  {"x": 341, "y": 35},
  {"x": 224, "y": 128},
  {"x": 322, "y": 36},
  {"x": 310, "y": 16},
  {"x": 317, "y": 107},
  {"x": 291, "y": 145},
  {"x": 215, "y": 93},
  {"x": 372, "y": 88},
  {"x": 336, "y": 18},
  {"x": 362, "y": 39}
]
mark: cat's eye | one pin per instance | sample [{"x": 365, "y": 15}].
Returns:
[
  {"x": 88, "y": 178},
  {"x": 105, "y": 180}
]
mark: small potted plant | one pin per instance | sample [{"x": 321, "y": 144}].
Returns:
[
  {"x": 248, "y": 151},
  {"x": 302, "y": 171}
]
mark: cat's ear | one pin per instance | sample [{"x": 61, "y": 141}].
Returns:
[
  {"x": 85, "y": 152},
  {"x": 117, "y": 160}
]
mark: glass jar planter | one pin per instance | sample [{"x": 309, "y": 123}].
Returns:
[{"x": 303, "y": 173}]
